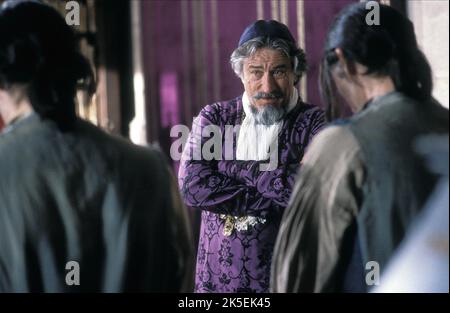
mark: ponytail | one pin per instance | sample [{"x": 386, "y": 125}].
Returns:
[{"x": 389, "y": 49}]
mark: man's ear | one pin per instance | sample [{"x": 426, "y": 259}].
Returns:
[
  {"x": 347, "y": 68},
  {"x": 297, "y": 79}
]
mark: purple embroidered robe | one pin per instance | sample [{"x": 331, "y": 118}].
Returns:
[{"x": 240, "y": 261}]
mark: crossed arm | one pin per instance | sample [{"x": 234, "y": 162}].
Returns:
[{"x": 229, "y": 186}]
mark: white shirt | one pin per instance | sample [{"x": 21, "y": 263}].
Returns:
[{"x": 254, "y": 140}]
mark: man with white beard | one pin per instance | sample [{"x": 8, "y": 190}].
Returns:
[{"x": 242, "y": 200}]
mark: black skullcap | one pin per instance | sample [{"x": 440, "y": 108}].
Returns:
[{"x": 262, "y": 28}]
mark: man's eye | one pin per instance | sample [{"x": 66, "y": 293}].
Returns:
[
  {"x": 256, "y": 73},
  {"x": 279, "y": 73}
]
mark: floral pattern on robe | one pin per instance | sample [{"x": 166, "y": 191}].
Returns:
[{"x": 240, "y": 261}]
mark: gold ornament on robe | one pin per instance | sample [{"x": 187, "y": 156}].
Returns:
[{"x": 241, "y": 223}]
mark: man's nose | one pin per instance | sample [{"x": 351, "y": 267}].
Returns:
[{"x": 268, "y": 83}]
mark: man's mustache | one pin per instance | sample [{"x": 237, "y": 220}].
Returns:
[{"x": 270, "y": 95}]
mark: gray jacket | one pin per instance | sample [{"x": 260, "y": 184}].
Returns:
[
  {"x": 360, "y": 186},
  {"x": 85, "y": 196}
]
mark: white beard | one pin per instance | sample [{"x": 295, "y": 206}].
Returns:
[{"x": 254, "y": 140}]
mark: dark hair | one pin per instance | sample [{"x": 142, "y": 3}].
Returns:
[
  {"x": 39, "y": 51},
  {"x": 288, "y": 48},
  {"x": 387, "y": 49}
]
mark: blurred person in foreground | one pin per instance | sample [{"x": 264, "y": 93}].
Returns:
[
  {"x": 70, "y": 193},
  {"x": 420, "y": 264},
  {"x": 362, "y": 184}
]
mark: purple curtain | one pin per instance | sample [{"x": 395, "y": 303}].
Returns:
[{"x": 187, "y": 45}]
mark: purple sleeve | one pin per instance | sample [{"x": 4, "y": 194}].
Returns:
[
  {"x": 276, "y": 184},
  {"x": 227, "y": 186},
  {"x": 203, "y": 186},
  {"x": 317, "y": 123}
]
